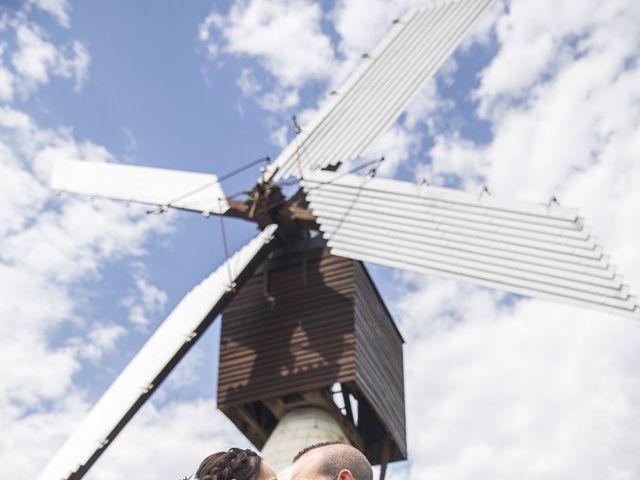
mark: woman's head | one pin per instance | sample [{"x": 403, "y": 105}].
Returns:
[{"x": 237, "y": 463}]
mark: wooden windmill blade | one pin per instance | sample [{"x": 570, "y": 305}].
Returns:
[
  {"x": 379, "y": 90},
  {"x": 161, "y": 187},
  {"x": 157, "y": 358},
  {"x": 525, "y": 248}
]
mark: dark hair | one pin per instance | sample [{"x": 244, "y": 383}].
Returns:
[
  {"x": 344, "y": 457},
  {"x": 237, "y": 463},
  {"x": 312, "y": 447}
]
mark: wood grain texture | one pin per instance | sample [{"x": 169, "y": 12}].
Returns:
[{"x": 303, "y": 322}]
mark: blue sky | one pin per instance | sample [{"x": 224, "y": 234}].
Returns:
[{"x": 542, "y": 99}]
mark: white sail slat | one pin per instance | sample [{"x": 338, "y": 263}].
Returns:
[
  {"x": 568, "y": 238},
  {"x": 496, "y": 250},
  {"x": 401, "y": 225},
  {"x": 153, "y": 362},
  {"x": 492, "y": 216},
  {"x": 198, "y": 192},
  {"x": 380, "y": 89}
]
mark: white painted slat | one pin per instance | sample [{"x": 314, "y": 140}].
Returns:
[
  {"x": 410, "y": 262},
  {"x": 360, "y": 213},
  {"x": 164, "y": 347},
  {"x": 569, "y": 238},
  {"x": 633, "y": 311},
  {"x": 377, "y": 93},
  {"x": 417, "y": 201},
  {"x": 198, "y": 192},
  {"x": 445, "y": 31},
  {"x": 397, "y": 240},
  {"x": 420, "y": 30},
  {"x": 401, "y": 191},
  {"x": 564, "y": 263},
  {"x": 513, "y": 256},
  {"x": 288, "y": 161},
  {"x": 449, "y": 260}
]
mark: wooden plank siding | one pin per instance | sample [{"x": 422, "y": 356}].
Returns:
[
  {"x": 302, "y": 340},
  {"x": 305, "y": 321},
  {"x": 379, "y": 360}
]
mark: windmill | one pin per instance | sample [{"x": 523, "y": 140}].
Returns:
[{"x": 540, "y": 250}]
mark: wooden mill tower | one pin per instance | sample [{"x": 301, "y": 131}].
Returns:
[{"x": 309, "y": 335}]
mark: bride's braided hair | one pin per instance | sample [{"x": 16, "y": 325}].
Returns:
[{"x": 237, "y": 463}]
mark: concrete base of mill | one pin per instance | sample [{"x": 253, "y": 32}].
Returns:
[{"x": 297, "y": 429}]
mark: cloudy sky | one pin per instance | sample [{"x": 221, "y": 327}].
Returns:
[{"x": 542, "y": 99}]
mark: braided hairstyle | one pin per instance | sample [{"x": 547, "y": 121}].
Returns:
[{"x": 237, "y": 463}]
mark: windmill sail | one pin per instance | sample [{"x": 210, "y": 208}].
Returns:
[
  {"x": 531, "y": 249},
  {"x": 377, "y": 93},
  {"x": 198, "y": 192},
  {"x": 164, "y": 349}
]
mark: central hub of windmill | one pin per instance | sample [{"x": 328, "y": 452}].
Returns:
[
  {"x": 267, "y": 204},
  {"x": 309, "y": 352}
]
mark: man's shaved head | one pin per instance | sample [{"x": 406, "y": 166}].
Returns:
[{"x": 327, "y": 461}]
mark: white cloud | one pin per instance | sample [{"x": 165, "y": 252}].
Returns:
[
  {"x": 37, "y": 372},
  {"x": 6, "y": 77},
  {"x": 248, "y": 83},
  {"x": 576, "y": 133},
  {"x": 285, "y": 35},
  {"x": 481, "y": 34},
  {"x": 100, "y": 340},
  {"x": 29, "y": 439},
  {"x": 14, "y": 180},
  {"x": 396, "y": 146},
  {"x": 527, "y": 387},
  {"x": 457, "y": 157},
  {"x": 59, "y": 9},
  {"x": 35, "y": 56},
  {"x": 539, "y": 390},
  {"x": 147, "y": 300},
  {"x": 401, "y": 143},
  {"x": 46, "y": 254},
  {"x": 36, "y": 59},
  {"x": 53, "y": 252},
  {"x": 550, "y": 42},
  {"x": 279, "y": 100},
  {"x": 130, "y": 139},
  {"x": 279, "y": 136},
  {"x": 176, "y": 438},
  {"x": 361, "y": 23},
  {"x": 75, "y": 66},
  {"x": 287, "y": 39},
  {"x": 6, "y": 85},
  {"x": 424, "y": 106}
]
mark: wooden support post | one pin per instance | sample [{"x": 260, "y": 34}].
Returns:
[{"x": 384, "y": 458}]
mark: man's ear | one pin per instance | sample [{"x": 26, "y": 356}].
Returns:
[{"x": 345, "y": 475}]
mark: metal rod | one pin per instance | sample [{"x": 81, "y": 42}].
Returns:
[
  {"x": 226, "y": 252},
  {"x": 163, "y": 208}
]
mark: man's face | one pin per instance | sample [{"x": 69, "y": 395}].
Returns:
[{"x": 307, "y": 467}]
